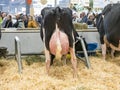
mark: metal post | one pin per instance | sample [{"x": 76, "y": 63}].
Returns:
[
  {"x": 55, "y": 3},
  {"x": 85, "y": 52},
  {"x": 27, "y": 8},
  {"x": 18, "y": 54}
]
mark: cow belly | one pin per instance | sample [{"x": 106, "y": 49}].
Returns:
[{"x": 61, "y": 39}]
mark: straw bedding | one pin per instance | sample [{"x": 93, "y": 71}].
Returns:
[{"x": 103, "y": 75}]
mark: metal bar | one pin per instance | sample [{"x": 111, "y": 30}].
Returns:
[
  {"x": 38, "y": 30},
  {"x": 85, "y": 52},
  {"x": 18, "y": 54},
  {"x": 55, "y": 3},
  {"x": 80, "y": 58}
]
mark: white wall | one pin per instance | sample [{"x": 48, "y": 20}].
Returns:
[{"x": 31, "y": 42}]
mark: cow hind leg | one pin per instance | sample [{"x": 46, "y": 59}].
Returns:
[
  {"x": 52, "y": 58},
  {"x": 104, "y": 51},
  {"x": 64, "y": 58},
  {"x": 74, "y": 62},
  {"x": 48, "y": 60},
  {"x": 112, "y": 53}
]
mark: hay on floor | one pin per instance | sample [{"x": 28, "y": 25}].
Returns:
[{"x": 104, "y": 75}]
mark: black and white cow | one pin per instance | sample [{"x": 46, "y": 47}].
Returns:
[
  {"x": 58, "y": 35},
  {"x": 78, "y": 46},
  {"x": 108, "y": 25}
]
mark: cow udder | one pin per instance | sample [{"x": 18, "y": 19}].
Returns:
[{"x": 62, "y": 39}]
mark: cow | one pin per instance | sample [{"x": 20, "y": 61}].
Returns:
[
  {"x": 78, "y": 46},
  {"x": 108, "y": 25},
  {"x": 58, "y": 35}
]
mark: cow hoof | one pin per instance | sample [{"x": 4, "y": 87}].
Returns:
[
  {"x": 74, "y": 79},
  {"x": 75, "y": 76},
  {"x": 104, "y": 58},
  {"x": 112, "y": 56}
]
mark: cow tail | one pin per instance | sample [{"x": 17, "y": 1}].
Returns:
[
  {"x": 58, "y": 50},
  {"x": 58, "y": 44}
]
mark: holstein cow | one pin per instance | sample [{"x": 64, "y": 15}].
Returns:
[
  {"x": 108, "y": 25},
  {"x": 78, "y": 46},
  {"x": 57, "y": 33}
]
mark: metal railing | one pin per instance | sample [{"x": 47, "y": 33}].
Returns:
[
  {"x": 18, "y": 54},
  {"x": 7, "y": 30}
]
